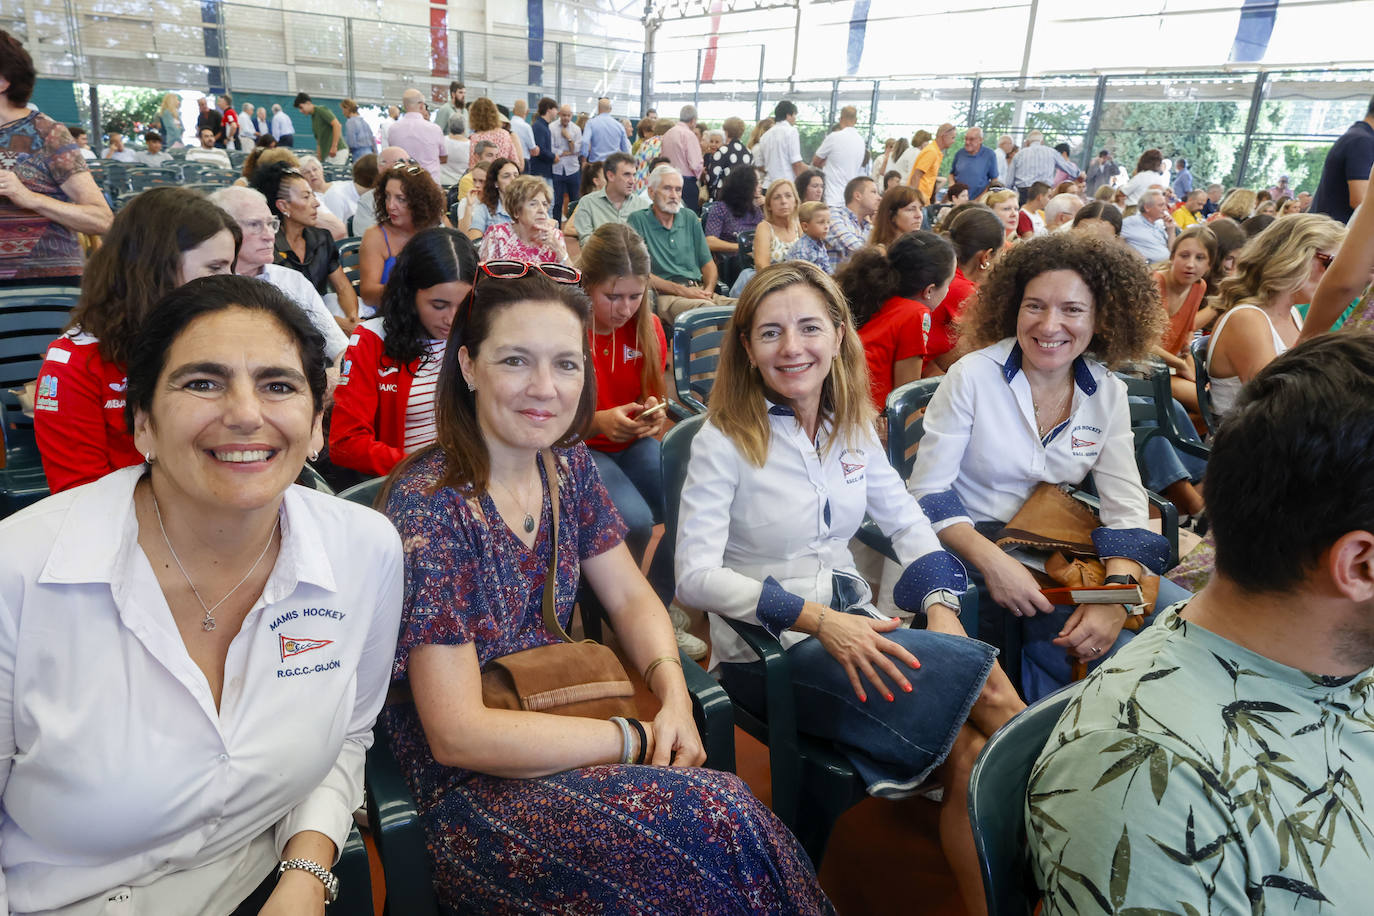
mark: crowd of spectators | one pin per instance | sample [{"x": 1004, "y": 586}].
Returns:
[{"x": 545, "y": 241}]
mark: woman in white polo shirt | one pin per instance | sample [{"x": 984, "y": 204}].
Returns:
[
  {"x": 780, "y": 478},
  {"x": 1035, "y": 403},
  {"x": 191, "y": 659}
]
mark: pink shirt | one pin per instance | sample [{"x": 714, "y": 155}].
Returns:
[
  {"x": 683, "y": 149},
  {"x": 502, "y": 244},
  {"x": 422, "y": 140}
]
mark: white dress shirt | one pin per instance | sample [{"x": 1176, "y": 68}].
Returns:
[
  {"x": 778, "y": 150},
  {"x": 124, "y": 789},
  {"x": 791, "y": 519},
  {"x": 300, "y": 290},
  {"x": 981, "y": 455}
]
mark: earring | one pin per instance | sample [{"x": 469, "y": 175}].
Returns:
[
  {"x": 983, "y": 266},
  {"x": 314, "y": 456},
  {"x": 471, "y": 387},
  {"x": 149, "y": 457}
]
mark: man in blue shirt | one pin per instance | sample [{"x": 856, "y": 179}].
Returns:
[
  {"x": 603, "y": 134},
  {"x": 1183, "y": 180},
  {"x": 541, "y": 156},
  {"x": 974, "y": 165},
  {"x": 1345, "y": 175}
]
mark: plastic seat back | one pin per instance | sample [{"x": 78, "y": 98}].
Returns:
[
  {"x": 365, "y": 493},
  {"x": 906, "y": 422},
  {"x": 1204, "y": 383},
  {"x": 31, "y": 317},
  {"x": 997, "y": 802},
  {"x": 696, "y": 353}
]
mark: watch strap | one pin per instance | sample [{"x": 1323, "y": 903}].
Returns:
[{"x": 327, "y": 878}]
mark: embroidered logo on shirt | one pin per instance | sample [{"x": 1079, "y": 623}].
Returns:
[
  {"x": 630, "y": 354},
  {"x": 1083, "y": 441},
  {"x": 852, "y": 463},
  {"x": 292, "y": 646},
  {"x": 45, "y": 398},
  {"x": 57, "y": 356},
  {"x": 121, "y": 385},
  {"x": 114, "y": 404},
  {"x": 390, "y": 371}
]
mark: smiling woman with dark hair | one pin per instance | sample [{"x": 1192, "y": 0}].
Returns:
[
  {"x": 1035, "y": 403},
  {"x": 507, "y": 497},
  {"x": 196, "y": 744}
]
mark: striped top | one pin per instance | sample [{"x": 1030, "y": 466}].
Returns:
[{"x": 420, "y": 429}]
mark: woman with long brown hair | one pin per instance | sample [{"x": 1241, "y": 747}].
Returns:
[
  {"x": 525, "y": 811},
  {"x": 900, "y": 211},
  {"x": 162, "y": 239}
]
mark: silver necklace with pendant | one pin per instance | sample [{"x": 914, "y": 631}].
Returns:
[
  {"x": 528, "y": 523},
  {"x": 208, "y": 623}
]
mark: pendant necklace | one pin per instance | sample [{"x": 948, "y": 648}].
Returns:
[
  {"x": 208, "y": 623},
  {"x": 528, "y": 523}
]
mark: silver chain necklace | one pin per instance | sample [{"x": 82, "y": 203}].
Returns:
[
  {"x": 528, "y": 523},
  {"x": 208, "y": 623}
]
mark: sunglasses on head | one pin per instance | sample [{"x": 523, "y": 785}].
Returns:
[
  {"x": 1324, "y": 259},
  {"x": 513, "y": 270}
]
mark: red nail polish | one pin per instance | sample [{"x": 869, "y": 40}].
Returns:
[
  {"x": 906, "y": 688},
  {"x": 890, "y": 698},
  {"x": 863, "y": 698}
]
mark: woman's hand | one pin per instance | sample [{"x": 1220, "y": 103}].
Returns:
[
  {"x": 298, "y": 893},
  {"x": 1184, "y": 370},
  {"x": 653, "y": 425},
  {"x": 618, "y": 423},
  {"x": 16, "y": 191},
  {"x": 673, "y": 738},
  {"x": 857, "y": 643},
  {"x": 1012, "y": 585},
  {"x": 1092, "y": 630}
]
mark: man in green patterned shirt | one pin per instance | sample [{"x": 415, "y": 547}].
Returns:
[{"x": 1219, "y": 763}]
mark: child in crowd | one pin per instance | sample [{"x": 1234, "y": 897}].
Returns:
[{"x": 815, "y": 223}]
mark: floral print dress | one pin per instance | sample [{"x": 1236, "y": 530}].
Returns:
[{"x": 598, "y": 839}]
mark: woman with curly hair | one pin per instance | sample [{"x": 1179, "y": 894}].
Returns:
[
  {"x": 1275, "y": 271},
  {"x": 532, "y": 235},
  {"x": 384, "y": 404},
  {"x": 490, "y": 210},
  {"x": 408, "y": 201},
  {"x": 900, "y": 211},
  {"x": 484, "y": 123},
  {"x": 1035, "y": 402}
]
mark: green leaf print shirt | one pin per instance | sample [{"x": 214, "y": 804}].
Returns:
[{"x": 1192, "y": 776}]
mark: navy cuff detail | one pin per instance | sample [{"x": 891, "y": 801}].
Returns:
[
  {"x": 778, "y": 608},
  {"x": 1145, "y": 547},
  {"x": 929, "y": 573},
  {"x": 940, "y": 506}
]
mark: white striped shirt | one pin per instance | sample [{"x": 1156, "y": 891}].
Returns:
[{"x": 420, "y": 429}]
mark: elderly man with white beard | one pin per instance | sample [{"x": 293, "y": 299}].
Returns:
[{"x": 683, "y": 273}]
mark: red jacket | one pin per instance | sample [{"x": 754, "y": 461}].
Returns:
[
  {"x": 78, "y": 414},
  {"x": 368, "y": 429}
]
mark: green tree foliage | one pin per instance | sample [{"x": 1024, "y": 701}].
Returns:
[
  {"x": 128, "y": 109},
  {"x": 1208, "y": 134}
]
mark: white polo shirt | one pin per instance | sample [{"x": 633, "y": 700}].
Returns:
[
  {"x": 778, "y": 149},
  {"x": 981, "y": 455},
  {"x": 124, "y": 789},
  {"x": 791, "y": 520}
]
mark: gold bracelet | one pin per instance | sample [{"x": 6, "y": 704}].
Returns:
[{"x": 649, "y": 671}]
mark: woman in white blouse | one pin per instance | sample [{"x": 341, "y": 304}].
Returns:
[
  {"x": 779, "y": 480},
  {"x": 1035, "y": 403},
  {"x": 190, "y": 663}
]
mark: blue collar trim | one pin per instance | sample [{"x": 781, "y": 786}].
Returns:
[{"x": 1082, "y": 375}]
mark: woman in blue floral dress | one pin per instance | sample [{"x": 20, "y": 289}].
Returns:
[{"x": 527, "y": 812}]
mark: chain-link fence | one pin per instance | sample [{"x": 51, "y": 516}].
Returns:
[
  {"x": 1237, "y": 128},
  {"x": 210, "y": 45}
]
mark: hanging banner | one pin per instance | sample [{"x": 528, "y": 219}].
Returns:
[
  {"x": 1254, "y": 30},
  {"x": 858, "y": 29}
]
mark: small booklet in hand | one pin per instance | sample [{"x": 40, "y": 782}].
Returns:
[{"x": 1128, "y": 595}]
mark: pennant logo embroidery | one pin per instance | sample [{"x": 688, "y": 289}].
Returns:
[{"x": 291, "y": 646}]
